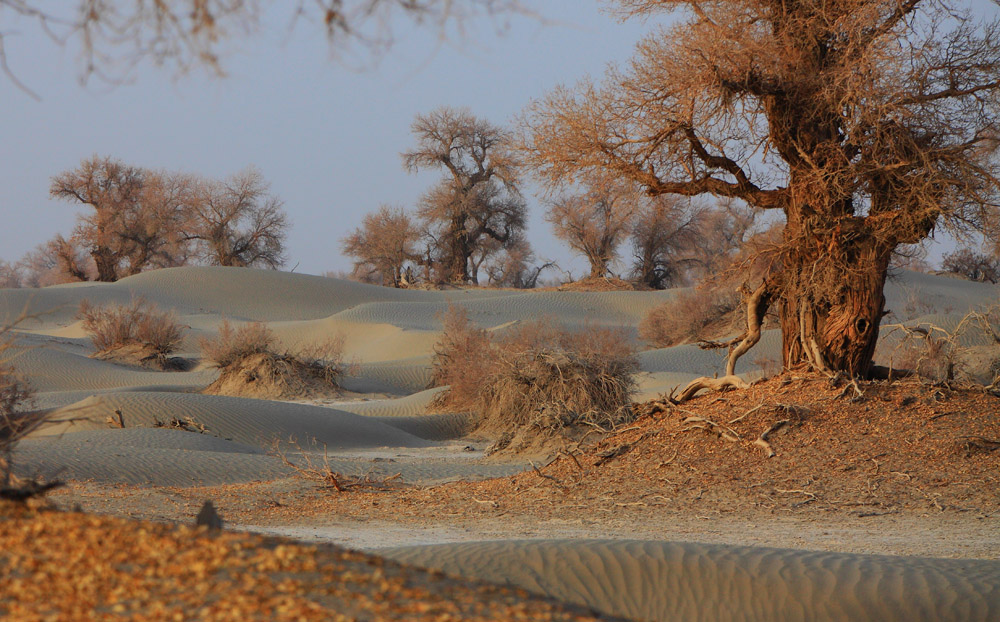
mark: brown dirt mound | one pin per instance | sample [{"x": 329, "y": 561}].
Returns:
[
  {"x": 906, "y": 447},
  {"x": 142, "y": 355},
  {"x": 275, "y": 376},
  {"x": 71, "y": 566}
]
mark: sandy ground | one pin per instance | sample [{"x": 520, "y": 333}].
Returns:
[{"x": 420, "y": 461}]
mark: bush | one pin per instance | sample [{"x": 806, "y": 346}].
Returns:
[
  {"x": 536, "y": 376},
  {"x": 15, "y": 421},
  {"x": 692, "y": 316},
  {"x": 136, "y": 324},
  {"x": 252, "y": 366},
  {"x": 461, "y": 359},
  {"x": 234, "y": 345}
]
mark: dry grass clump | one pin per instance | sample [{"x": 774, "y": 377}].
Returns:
[
  {"x": 536, "y": 376},
  {"x": 135, "y": 333},
  {"x": 700, "y": 314},
  {"x": 251, "y": 365}
]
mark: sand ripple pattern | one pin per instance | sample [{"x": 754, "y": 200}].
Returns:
[{"x": 686, "y": 581}]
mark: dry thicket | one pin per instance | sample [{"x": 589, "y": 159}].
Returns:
[
  {"x": 973, "y": 265},
  {"x": 136, "y": 332},
  {"x": 697, "y": 315},
  {"x": 383, "y": 247},
  {"x": 535, "y": 376},
  {"x": 968, "y": 352},
  {"x": 867, "y": 124},
  {"x": 16, "y": 422},
  {"x": 142, "y": 219},
  {"x": 251, "y": 364}
]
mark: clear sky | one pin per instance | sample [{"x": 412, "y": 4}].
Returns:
[{"x": 326, "y": 134}]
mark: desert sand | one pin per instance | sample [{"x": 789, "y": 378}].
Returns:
[{"x": 384, "y": 428}]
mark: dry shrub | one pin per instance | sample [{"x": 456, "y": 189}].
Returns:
[
  {"x": 251, "y": 365},
  {"x": 16, "y": 423},
  {"x": 700, "y": 314},
  {"x": 137, "y": 332},
  {"x": 536, "y": 376},
  {"x": 235, "y": 345},
  {"x": 461, "y": 359}
]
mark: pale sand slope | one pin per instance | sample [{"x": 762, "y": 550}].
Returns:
[
  {"x": 684, "y": 581},
  {"x": 252, "y": 422},
  {"x": 176, "y": 458}
]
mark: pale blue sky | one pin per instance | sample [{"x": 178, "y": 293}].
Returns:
[{"x": 326, "y": 135}]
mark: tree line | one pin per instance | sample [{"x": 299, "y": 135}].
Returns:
[
  {"x": 471, "y": 224},
  {"x": 139, "y": 219}
]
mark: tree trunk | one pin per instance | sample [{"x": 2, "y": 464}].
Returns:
[
  {"x": 832, "y": 299},
  {"x": 457, "y": 262},
  {"x": 107, "y": 264}
]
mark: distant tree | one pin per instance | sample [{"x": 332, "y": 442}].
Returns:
[
  {"x": 663, "y": 233},
  {"x": 595, "y": 221},
  {"x": 137, "y": 215},
  {"x": 477, "y": 200},
  {"x": 113, "y": 189},
  {"x": 10, "y": 275},
  {"x": 237, "y": 222},
  {"x": 59, "y": 260},
  {"x": 867, "y": 123},
  {"x": 973, "y": 265},
  {"x": 515, "y": 266},
  {"x": 723, "y": 233},
  {"x": 382, "y": 246}
]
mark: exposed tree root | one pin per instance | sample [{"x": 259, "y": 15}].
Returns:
[
  {"x": 701, "y": 423},
  {"x": 762, "y": 439},
  {"x": 712, "y": 384}
]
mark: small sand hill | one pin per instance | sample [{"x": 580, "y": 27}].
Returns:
[
  {"x": 676, "y": 582},
  {"x": 251, "y": 422},
  {"x": 62, "y": 567}
]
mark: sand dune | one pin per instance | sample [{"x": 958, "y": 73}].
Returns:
[
  {"x": 682, "y": 581},
  {"x": 251, "y": 422},
  {"x": 158, "y": 457}
]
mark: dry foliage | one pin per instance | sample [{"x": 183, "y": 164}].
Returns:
[
  {"x": 595, "y": 221},
  {"x": 304, "y": 464},
  {"x": 866, "y": 124},
  {"x": 972, "y": 265},
  {"x": 251, "y": 365},
  {"x": 695, "y": 315},
  {"x": 114, "y": 327},
  {"x": 16, "y": 422},
  {"x": 382, "y": 247},
  {"x": 476, "y": 201},
  {"x": 461, "y": 358},
  {"x": 941, "y": 355},
  {"x": 536, "y": 376}
]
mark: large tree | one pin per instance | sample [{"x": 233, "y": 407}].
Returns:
[
  {"x": 478, "y": 199},
  {"x": 867, "y": 123}
]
